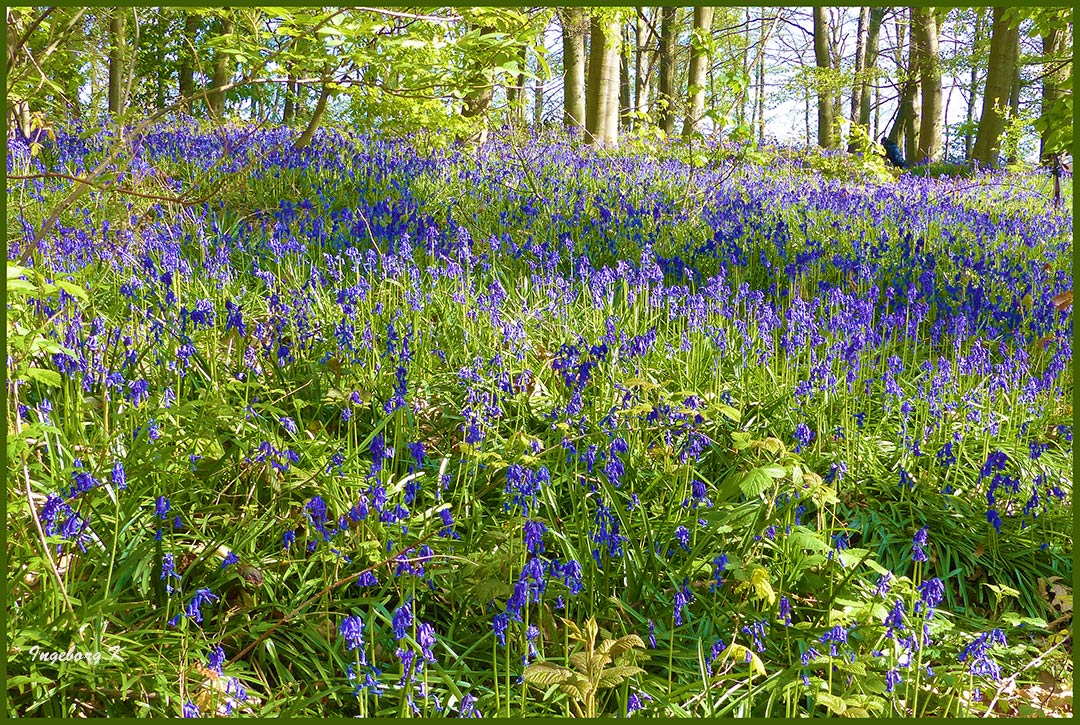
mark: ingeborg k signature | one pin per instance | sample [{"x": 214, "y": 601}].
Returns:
[{"x": 37, "y": 654}]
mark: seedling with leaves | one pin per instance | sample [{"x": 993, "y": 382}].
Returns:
[{"x": 593, "y": 668}]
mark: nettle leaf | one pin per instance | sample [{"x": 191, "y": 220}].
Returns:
[
  {"x": 803, "y": 538},
  {"x": 754, "y": 483},
  {"x": 546, "y": 674}
]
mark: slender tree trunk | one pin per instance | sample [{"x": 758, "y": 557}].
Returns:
[
  {"x": 666, "y": 94},
  {"x": 695, "y": 77},
  {"x": 973, "y": 84},
  {"x": 821, "y": 56},
  {"x": 624, "y": 77},
  {"x": 873, "y": 31},
  {"x": 116, "y": 61},
  {"x": 1055, "y": 81},
  {"x": 761, "y": 82},
  {"x": 574, "y": 25},
  {"x": 222, "y": 71},
  {"x": 317, "y": 116},
  {"x": 911, "y": 96},
  {"x": 806, "y": 112},
  {"x": 538, "y": 102},
  {"x": 613, "y": 43},
  {"x": 644, "y": 55},
  {"x": 288, "y": 114},
  {"x": 999, "y": 75},
  {"x": 925, "y": 31},
  {"x": 860, "y": 65},
  {"x": 1014, "y": 106},
  {"x": 515, "y": 93}
]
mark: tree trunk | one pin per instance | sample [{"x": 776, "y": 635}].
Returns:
[
  {"x": 288, "y": 114},
  {"x": 1055, "y": 82},
  {"x": 612, "y": 44},
  {"x": 911, "y": 97},
  {"x": 317, "y": 116},
  {"x": 761, "y": 82},
  {"x": 625, "y": 101},
  {"x": 825, "y": 99},
  {"x": 973, "y": 87},
  {"x": 222, "y": 72},
  {"x": 187, "y": 60},
  {"x": 478, "y": 98},
  {"x": 695, "y": 77},
  {"x": 538, "y": 102},
  {"x": 925, "y": 30},
  {"x": 575, "y": 25},
  {"x": 666, "y": 95},
  {"x": 602, "y": 102},
  {"x": 999, "y": 75},
  {"x": 515, "y": 94},
  {"x": 643, "y": 51},
  {"x": 860, "y": 65},
  {"x": 873, "y": 31},
  {"x": 1014, "y": 106},
  {"x": 116, "y": 60}
]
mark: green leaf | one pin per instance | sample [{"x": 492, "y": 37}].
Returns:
[
  {"x": 73, "y": 289},
  {"x": 50, "y": 378},
  {"x": 546, "y": 674},
  {"x": 754, "y": 482},
  {"x": 613, "y": 676},
  {"x": 836, "y": 705}
]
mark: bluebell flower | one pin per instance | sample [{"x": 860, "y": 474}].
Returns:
[
  {"x": 425, "y": 637},
  {"x": 785, "y": 611},
  {"x": 216, "y": 660},
  {"x": 194, "y": 607},
  {"x": 402, "y": 619},
  {"x": 352, "y": 630},
  {"x": 190, "y": 709}
]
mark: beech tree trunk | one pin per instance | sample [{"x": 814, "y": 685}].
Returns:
[
  {"x": 575, "y": 26},
  {"x": 695, "y": 77},
  {"x": 602, "y": 99},
  {"x": 925, "y": 31},
  {"x": 999, "y": 75},
  {"x": 666, "y": 88},
  {"x": 825, "y": 96}
]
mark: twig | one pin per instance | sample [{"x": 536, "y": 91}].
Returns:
[{"x": 1012, "y": 679}]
